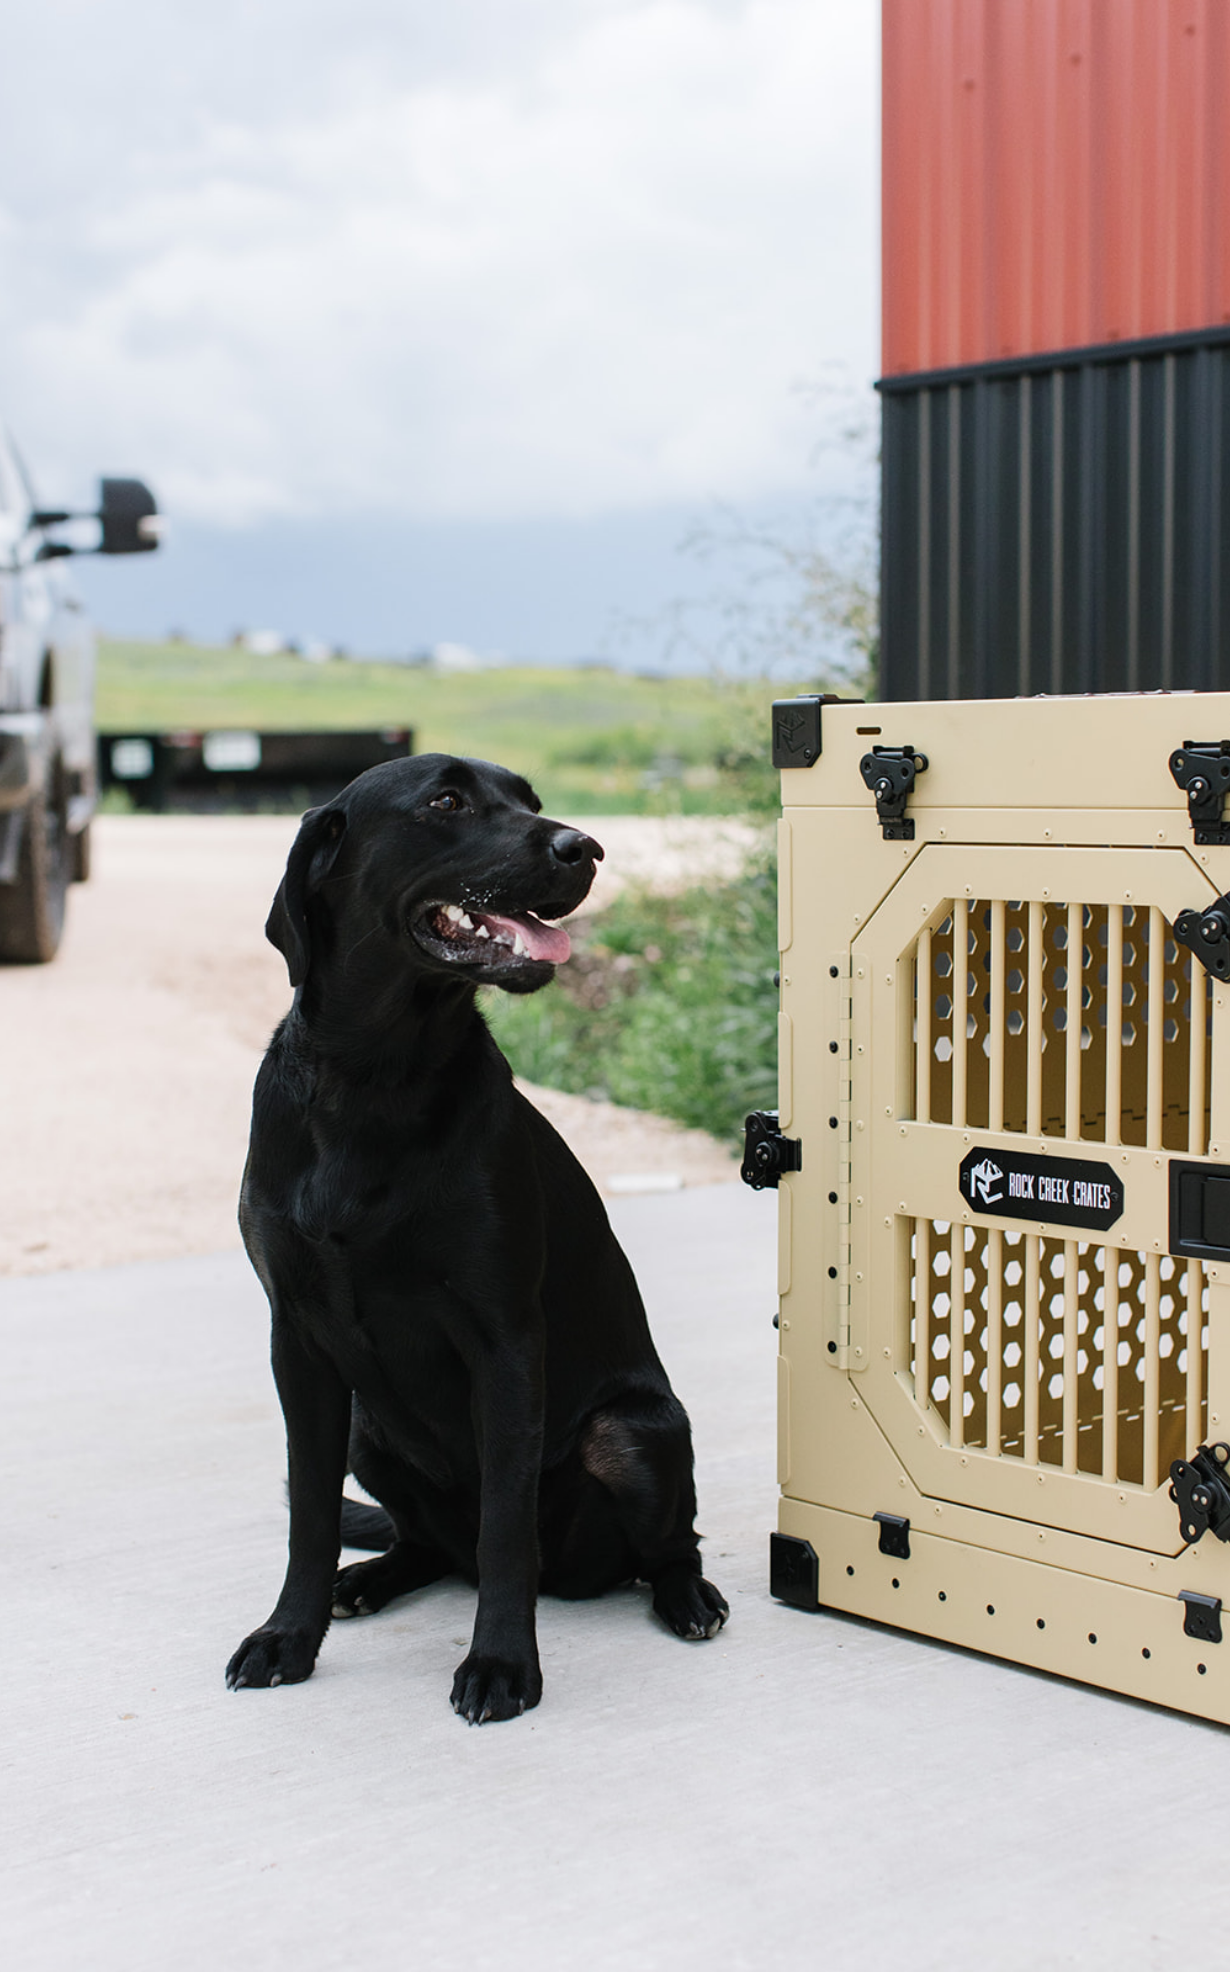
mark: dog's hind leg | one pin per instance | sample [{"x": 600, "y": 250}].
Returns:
[
  {"x": 366, "y": 1586},
  {"x": 640, "y": 1451}
]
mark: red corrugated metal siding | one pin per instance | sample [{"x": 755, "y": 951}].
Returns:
[{"x": 1056, "y": 174}]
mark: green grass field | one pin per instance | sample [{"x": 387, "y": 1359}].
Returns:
[{"x": 592, "y": 741}]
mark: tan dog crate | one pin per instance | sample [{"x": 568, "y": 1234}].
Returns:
[{"x": 1003, "y": 1145}]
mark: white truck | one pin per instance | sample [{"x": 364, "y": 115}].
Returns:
[{"x": 47, "y": 743}]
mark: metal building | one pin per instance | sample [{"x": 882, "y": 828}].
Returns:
[{"x": 1056, "y": 332}]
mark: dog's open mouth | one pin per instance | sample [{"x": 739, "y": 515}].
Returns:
[{"x": 462, "y": 935}]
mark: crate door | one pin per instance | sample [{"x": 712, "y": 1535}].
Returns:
[{"x": 1032, "y": 1005}]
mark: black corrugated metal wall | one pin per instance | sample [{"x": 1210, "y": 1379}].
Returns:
[{"x": 1056, "y": 523}]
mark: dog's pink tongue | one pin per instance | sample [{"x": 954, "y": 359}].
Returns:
[{"x": 541, "y": 941}]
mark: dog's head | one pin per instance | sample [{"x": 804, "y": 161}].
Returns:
[{"x": 436, "y": 866}]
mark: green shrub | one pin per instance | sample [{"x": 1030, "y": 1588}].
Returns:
[{"x": 668, "y": 1004}]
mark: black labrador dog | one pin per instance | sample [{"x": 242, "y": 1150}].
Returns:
[{"x": 453, "y": 1320}]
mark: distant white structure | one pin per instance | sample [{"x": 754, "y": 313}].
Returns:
[
  {"x": 456, "y": 657},
  {"x": 263, "y": 643},
  {"x": 459, "y": 657},
  {"x": 314, "y": 652}
]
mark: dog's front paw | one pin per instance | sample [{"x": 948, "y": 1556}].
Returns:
[
  {"x": 690, "y": 1606},
  {"x": 495, "y": 1687},
  {"x": 272, "y": 1656}
]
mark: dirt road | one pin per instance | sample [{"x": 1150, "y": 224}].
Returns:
[{"x": 126, "y": 1067}]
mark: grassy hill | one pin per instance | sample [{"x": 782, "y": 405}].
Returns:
[{"x": 591, "y": 740}]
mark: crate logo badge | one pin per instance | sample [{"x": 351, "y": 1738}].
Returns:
[
  {"x": 986, "y": 1182},
  {"x": 1062, "y": 1191}
]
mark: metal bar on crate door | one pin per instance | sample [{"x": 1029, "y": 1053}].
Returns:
[
  {"x": 1194, "y": 1343},
  {"x": 956, "y": 1335},
  {"x": 1032, "y": 1317},
  {"x": 1152, "y": 1360},
  {"x": 1154, "y": 1031},
  {"x": 960, "y": 1007},
  {"x": 922, "y": 1312},
  {"x": 998, "y": 1017},
  {"x": 923, "y": 995},
  {"x": 1110, "y": 1362},
  {"x": 995, "y": 1338},
  {"x": 1072, "y": 1034},
  {"x": 1114, "y": 1023},
  {"x": 1033, "y": 1021},
  {"x": 1071, "y": 1320},
  {"x": 1197, "y": 1029}
]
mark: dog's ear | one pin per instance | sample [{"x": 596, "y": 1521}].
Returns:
[{"x": 311, "y": 858}]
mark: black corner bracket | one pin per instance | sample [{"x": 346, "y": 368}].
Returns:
[
  {"x": 796, "y": 727},
  {"x": 794, "y": 1571}
]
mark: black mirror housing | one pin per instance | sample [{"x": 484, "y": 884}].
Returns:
[{"x": 129, "y": 517}]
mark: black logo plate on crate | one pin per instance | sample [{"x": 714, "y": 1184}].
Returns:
[{"x": 1059, "y": 1191}]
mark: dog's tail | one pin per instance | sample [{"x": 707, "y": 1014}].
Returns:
[{"x": 366, "y": 1526}]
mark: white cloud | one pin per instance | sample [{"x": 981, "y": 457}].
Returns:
[{"x": 582, "y": 280}]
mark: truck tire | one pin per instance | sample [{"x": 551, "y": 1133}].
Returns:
[
  {"x": 32, "y": 909},
  {"x": 79, "y": 856}
]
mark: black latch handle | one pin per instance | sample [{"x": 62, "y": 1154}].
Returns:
[
  {"x": 766, "y": 1152},
  {"x": 1199, "y": 1489},
  {"x": 890, "y": 773},
  {"x": 1202, "y": 769},
  {"x": 1206, "y": 933}
]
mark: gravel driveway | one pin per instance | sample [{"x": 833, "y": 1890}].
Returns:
[{"x": 127, "y": 1065}]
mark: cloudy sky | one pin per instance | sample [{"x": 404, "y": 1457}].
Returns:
[{"x": 432, "y": 322}]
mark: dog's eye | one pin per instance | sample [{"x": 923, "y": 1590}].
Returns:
[{"x": 449, "y": 801}]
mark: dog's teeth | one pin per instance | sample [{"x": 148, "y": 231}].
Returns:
[
  {"x": 465, "y": 920},
  {"x": 454, "y": 913},
  {"x": 482, "y": 932},
  {"x": 519, "y": 946}
]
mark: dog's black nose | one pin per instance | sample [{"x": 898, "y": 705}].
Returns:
[{"x": 570, "y": 846}]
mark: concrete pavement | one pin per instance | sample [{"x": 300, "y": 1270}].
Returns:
[{"x": 804, "y": 1790}]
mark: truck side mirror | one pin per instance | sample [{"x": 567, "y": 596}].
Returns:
[{"x": 131, "y": 524}]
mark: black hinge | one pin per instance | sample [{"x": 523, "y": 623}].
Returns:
[
  {"x": 766, "y": 1152},
  {"x": 1198, "y": 1488},
  {"x": 894, "y": 1535},
  {"x": 1202, "y": 769},
  {"x": 1201, "y": 1616},
  {"x": 1206, "y": 933},
  {"x": 890, "y": 773}
]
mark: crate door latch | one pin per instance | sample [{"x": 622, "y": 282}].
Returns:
[
  {"x": 1199, "y": 1488},
  {"x": 766, "y": 1152},
  {"x": 890, "y": 773},
  {"x": 1206, "y": 933},
  {"x": 1202, "y": 769}
]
